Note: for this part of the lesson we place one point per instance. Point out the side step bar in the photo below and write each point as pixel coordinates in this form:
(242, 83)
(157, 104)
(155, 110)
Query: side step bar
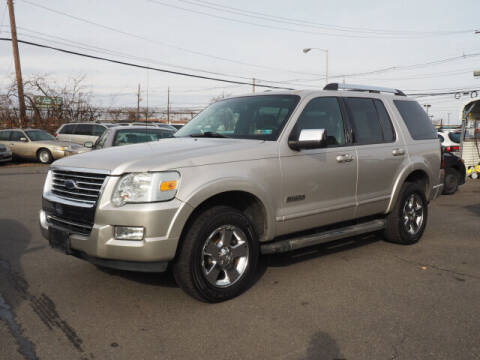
(322, 237)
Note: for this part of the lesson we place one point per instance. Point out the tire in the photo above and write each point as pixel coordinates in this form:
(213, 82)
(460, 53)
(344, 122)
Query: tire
(403, 222)
(218, 256)
(44, 156)
(452, 178)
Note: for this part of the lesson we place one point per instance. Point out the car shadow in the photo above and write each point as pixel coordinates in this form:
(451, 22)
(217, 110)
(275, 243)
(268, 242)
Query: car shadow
(166, 279)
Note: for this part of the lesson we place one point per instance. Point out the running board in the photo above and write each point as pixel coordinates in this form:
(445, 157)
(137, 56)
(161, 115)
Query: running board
(322, 237)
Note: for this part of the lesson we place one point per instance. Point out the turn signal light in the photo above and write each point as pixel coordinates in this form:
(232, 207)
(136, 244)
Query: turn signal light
(168, 185)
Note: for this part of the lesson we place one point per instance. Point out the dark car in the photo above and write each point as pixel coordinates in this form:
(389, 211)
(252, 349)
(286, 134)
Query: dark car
(455, 173)
(120, 135)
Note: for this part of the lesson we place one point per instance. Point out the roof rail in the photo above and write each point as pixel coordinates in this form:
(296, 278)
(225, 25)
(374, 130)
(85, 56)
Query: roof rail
(372, 89)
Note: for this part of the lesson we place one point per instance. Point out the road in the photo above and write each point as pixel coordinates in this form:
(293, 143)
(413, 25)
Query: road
(360, 298)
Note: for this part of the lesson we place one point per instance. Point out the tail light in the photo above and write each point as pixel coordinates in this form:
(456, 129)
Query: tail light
(55, 134)
(452, 148)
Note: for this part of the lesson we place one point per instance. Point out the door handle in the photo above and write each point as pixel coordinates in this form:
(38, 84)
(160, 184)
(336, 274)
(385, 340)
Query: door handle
(344, 158)
(398, 152)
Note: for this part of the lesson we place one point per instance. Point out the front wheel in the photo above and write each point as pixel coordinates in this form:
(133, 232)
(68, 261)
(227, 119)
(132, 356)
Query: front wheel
(44, 156)
(218, 256)
(407, 220)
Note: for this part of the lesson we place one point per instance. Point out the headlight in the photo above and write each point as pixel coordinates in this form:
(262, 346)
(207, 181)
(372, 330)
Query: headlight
(47, 187)
(145, 187)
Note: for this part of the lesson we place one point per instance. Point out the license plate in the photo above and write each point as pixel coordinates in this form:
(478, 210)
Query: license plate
(59, 240)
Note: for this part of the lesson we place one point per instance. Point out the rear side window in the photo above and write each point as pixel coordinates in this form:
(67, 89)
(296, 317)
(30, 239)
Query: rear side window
(366, 125)
(454, 136)
(440, 137)
(419, 125)
(67, 129)
(4, 135)
(388, 132)
(84, 129)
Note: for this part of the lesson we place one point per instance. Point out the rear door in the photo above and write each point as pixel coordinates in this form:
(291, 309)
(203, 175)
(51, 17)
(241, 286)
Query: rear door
(380, 153)
(66, 131)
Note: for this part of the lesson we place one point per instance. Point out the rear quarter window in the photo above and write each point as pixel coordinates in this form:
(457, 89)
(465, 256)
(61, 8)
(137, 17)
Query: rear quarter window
(67, 129)
(419, 125)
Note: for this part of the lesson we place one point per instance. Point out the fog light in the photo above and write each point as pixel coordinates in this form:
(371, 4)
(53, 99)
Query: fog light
(129, 233)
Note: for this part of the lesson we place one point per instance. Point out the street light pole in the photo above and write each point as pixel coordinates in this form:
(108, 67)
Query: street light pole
(306, 50)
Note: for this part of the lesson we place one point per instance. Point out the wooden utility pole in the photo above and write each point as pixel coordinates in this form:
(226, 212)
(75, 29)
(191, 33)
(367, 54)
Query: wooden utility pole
(138, 103)
(18, 69)
(168, 106)
(253, 86)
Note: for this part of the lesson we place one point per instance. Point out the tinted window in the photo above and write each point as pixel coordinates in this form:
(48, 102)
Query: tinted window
(419, 125)
(251, 117)
(440, 137)
(39, 135)
(4, 135)
(365, 122)
(135, 136)
(67, 129)
(84, 129)
(98, 130)
(322, 113)
(16, 136)
(388, 132)
(454, 136)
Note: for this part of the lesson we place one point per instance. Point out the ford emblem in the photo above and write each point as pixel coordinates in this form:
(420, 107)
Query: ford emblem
(70, 185)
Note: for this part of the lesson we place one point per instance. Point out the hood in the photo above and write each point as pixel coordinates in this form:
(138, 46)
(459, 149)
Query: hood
(173, 153)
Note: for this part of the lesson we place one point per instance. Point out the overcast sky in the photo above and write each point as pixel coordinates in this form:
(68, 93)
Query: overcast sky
(191, 36)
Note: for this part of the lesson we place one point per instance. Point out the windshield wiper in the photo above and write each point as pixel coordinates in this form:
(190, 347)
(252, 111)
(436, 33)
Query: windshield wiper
(209, 134)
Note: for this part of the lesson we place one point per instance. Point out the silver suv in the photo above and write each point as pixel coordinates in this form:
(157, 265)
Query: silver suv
(249, 175)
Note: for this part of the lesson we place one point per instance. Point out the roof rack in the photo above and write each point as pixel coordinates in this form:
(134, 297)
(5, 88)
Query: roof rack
(372, 89)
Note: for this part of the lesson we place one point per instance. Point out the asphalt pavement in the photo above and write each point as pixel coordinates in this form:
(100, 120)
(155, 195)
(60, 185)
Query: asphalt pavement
(359, 298)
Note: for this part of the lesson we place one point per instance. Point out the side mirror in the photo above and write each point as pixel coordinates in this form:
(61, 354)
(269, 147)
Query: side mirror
(23, 139)
(309, 139)
(88, 144)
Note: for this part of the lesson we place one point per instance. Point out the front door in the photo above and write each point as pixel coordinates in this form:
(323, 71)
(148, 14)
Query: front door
(19, 148)
(318, 184)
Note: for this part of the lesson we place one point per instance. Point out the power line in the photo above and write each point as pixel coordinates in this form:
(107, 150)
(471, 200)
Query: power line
(271, 26)
(144, 66)
(139, 37)
(306, 23)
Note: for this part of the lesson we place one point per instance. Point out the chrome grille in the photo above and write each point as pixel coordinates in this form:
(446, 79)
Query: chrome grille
(76, 186)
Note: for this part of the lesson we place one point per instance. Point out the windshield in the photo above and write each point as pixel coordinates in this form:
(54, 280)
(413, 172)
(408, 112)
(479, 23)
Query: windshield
(135, 136)
(252, 117)
(39, 135)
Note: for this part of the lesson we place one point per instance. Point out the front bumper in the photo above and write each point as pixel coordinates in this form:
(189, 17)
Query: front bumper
(5, 157)
(162, 222)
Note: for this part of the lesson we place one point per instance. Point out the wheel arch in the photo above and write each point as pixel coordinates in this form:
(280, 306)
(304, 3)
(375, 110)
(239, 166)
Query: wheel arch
(417, 174)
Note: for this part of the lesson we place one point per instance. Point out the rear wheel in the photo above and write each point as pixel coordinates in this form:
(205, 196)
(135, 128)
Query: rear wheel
(44, 156)
(451, 181)
(218, 256)
(407, 220)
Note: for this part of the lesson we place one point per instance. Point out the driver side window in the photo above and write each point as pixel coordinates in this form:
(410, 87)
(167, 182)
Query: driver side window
(322, 113)
(16, 136)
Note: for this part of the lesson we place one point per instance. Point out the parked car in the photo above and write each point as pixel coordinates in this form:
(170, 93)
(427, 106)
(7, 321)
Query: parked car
(160, 125)
(34, 144)
(120, 135)
(264, 173)
(455, 173)
(81, 133)
(5, 154)
(450, 140)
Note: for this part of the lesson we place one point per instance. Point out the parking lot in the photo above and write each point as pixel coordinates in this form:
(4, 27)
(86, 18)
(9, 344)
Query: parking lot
(358, 298)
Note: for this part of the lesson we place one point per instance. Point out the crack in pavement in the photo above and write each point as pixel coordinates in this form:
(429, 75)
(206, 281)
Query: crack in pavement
(44, 308)
(25, 346)
(438, 268)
